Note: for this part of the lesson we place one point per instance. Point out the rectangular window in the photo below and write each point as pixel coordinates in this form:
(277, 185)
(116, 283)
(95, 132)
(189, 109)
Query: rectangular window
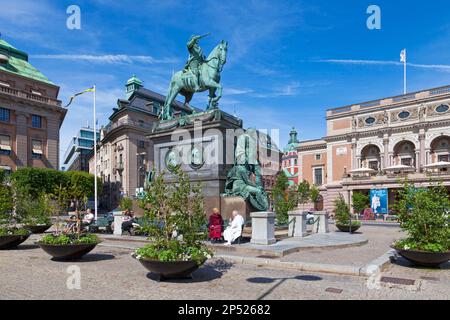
(373, 165)
(141, 144)
(406, 161)
(156, 107)
(318, 176)
(318, 156)
(87, 134)
(4, 115)
(5, 144)
(443, 158)
(36, 121)
(36, 149)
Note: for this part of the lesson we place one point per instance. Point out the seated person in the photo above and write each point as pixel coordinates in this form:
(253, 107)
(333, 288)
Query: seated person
(215, 226)
(127, 223)
(88, 218)
(234, 230)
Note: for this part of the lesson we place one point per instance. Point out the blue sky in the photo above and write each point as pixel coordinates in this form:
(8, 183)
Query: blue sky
(288, 61)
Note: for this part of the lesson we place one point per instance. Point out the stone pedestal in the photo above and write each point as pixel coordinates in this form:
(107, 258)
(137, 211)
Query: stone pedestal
(263, 227)
(297, 223)
(228, 204)
(118, 219)
(321, 225)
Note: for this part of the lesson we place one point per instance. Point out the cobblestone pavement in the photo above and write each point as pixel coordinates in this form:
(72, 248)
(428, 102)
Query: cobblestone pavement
(109, 272)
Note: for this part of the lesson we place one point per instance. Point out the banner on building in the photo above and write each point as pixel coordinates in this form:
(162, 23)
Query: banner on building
(379, 201)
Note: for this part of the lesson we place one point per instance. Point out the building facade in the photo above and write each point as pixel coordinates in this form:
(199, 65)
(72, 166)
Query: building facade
(79, 150)
(376, 144)
(290, 160)
(30, 113)
(124, 154)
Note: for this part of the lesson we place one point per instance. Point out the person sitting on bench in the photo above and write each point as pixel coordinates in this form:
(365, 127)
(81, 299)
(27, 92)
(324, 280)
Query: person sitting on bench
(127, 223)
(234, 230)
(215, 226)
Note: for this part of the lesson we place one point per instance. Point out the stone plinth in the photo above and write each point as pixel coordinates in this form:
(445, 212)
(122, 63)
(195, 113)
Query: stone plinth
(321, 225)
(118, 219)
(263, 228)
(297, 223)
(228, 204)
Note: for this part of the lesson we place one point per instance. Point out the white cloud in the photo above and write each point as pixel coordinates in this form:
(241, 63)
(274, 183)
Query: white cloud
(107, 58)
(384, 62)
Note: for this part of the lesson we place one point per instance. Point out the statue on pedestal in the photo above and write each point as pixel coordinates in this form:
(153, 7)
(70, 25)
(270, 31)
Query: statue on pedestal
(199, 74)
(239, 178)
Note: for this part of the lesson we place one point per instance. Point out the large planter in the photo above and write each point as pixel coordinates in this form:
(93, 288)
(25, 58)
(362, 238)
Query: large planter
(40, 228)
(11, 241)
(169, 269)
(424, 258)
(346, 227)
(67, 251)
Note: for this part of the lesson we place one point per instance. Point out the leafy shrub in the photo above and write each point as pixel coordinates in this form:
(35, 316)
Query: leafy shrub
(341, 211)
(177, 219)
(34, 211)
(283, 198)
(13, 231)
(59, 239)
(424, 215)
(360, 201)
(126, 204)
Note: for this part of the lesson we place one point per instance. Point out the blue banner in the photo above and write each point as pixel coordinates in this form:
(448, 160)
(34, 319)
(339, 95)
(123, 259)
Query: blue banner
(379, 201)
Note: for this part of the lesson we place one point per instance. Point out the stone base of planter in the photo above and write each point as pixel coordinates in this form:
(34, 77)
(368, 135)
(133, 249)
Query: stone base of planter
(423, 258)
(169, 269)
(12, 241)
(67, 251)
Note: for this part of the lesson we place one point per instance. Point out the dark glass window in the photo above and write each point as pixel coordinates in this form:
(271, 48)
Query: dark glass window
(370, 120)
(87, 134)
(4, 114)
(36, 121)
(141, 144)
(318, 176)
(404, 115)
(442, 108)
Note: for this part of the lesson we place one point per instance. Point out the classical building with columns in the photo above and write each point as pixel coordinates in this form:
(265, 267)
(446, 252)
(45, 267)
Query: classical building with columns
(30, 113)
(379, 143)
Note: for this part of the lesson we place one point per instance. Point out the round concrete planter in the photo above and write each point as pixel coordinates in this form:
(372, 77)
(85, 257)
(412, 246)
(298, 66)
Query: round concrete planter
(40, 228)
(169, 269)
(11, 241)
(346, 227)
(424, 258)
(67, 251)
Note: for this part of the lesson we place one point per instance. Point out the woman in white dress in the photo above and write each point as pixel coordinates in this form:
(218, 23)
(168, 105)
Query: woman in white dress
(234, 230)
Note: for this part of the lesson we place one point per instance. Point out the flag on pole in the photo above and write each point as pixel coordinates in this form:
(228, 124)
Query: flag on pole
(78, 94)
(403, 56)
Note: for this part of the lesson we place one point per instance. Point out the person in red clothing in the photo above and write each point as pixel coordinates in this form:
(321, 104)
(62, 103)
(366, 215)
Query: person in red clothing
(215, 226)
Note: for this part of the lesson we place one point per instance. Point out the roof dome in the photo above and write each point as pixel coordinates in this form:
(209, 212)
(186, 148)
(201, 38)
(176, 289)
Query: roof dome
(293, 141)
(134, 79)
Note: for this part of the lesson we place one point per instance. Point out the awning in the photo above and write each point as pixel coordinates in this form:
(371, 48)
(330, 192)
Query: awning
(400, 167)
(7, 168)
(362, 170)
(437, 165)
(37, 151)
(5, 147)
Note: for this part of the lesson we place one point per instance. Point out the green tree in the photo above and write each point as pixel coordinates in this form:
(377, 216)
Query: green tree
(126, 204)
(304, 193)
(177, 220)
(341, 211)
(424, 215)
(314, 193)
(283, 198)
(360, 201)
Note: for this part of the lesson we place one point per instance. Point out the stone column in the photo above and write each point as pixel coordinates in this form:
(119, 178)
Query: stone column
(417, 161)
(263, 227)
(386, 151)
(354, 158)
(118, 219)
(422, 154)
(22, 145)
(321, 225)
(297, 223)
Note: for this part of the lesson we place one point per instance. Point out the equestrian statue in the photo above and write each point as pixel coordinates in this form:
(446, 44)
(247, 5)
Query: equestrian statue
(199, 74)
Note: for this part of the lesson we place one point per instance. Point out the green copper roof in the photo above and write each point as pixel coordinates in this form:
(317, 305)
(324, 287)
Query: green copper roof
(18, 63)
(134, 79)
(293, 141)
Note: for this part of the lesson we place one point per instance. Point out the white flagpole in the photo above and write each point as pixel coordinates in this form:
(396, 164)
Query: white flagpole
(404, 72)
(95, 157)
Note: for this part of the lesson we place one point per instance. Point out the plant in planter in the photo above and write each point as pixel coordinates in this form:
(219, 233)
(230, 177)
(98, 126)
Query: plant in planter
(424, 215)
(34, 214)
(176, 228)
(360, 201)
(342, 216)
(10, 235)
(283, 198)
(72, 243)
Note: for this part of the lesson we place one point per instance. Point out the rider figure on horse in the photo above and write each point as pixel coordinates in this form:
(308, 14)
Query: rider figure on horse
(196, 58)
